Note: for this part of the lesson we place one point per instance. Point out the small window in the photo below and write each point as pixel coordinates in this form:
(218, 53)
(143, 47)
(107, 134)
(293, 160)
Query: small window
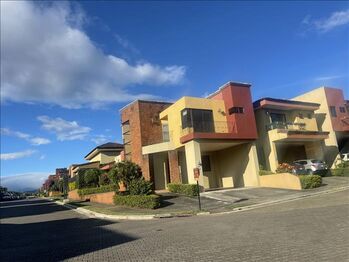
(301, 116)
(342, 109)
(206, 164)
(236, 110)
(309, 115)
(333, 111)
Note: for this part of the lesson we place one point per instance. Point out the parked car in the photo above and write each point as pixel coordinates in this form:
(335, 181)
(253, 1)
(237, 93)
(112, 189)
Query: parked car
(345, 157)
(310, 166)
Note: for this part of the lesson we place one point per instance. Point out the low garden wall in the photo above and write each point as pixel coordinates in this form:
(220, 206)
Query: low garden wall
(54, 194)
(281, 180)
(103, 198)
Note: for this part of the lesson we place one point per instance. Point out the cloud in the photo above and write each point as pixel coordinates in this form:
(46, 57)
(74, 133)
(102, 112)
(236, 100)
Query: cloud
(63, 129)
(16, 155)
(48, 58)
(336, 19)
(326, 78)
(99, 139)
(36, 141)
(24, 182)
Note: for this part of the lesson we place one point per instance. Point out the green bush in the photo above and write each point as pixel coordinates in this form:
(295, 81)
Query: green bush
(97, 190)
(265, 172)
(104, 179)
(140, 187)
(72, 186)
(91, 177)
(141, 201)
(340, 172)
(125, 171)
(80, 181)
(310, 181)
(183, 189)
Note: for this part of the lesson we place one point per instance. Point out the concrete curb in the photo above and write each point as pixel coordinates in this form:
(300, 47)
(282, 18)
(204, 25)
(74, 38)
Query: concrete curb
(93, 214)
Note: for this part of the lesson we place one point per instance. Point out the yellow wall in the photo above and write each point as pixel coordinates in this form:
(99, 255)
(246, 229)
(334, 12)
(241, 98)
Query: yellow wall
(287, 181)
(105, 157)
(172, 115)
(324, 121)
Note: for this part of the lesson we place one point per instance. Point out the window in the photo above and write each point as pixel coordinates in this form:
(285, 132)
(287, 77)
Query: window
(342, 109)
(236, 110)
(309, 115)
(300, 115)
(333, 111)
(201, 120)
(206, 164)
(165, 133)
(277, 118)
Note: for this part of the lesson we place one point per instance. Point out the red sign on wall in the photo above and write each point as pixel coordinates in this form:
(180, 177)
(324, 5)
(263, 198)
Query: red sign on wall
(196, 173)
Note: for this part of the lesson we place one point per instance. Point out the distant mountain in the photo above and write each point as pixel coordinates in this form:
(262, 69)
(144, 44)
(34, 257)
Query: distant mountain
(24, 182)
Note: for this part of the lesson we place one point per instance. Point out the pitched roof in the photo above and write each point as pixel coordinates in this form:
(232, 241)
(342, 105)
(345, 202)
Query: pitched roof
(109, 145)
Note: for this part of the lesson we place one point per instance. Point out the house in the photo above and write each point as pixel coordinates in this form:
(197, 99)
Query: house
(102, 156)
(333, 117)
(215, 134)
(288, 131)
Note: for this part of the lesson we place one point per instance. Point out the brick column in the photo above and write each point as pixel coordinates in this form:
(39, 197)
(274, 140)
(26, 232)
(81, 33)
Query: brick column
(174, 167)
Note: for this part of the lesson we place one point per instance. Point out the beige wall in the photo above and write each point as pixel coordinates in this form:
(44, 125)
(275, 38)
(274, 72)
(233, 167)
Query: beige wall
(105, 157)
(287, 181)
(324, 122)
(193, 160)
(160, 170)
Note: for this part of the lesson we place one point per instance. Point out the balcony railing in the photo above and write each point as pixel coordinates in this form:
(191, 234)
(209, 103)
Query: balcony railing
(286, 125)
(209, 127)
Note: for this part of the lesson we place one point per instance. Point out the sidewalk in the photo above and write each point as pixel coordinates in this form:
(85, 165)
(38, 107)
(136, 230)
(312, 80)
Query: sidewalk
(220, 201)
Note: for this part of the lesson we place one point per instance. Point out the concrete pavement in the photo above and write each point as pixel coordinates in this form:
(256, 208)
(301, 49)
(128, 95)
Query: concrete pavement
(310, 229)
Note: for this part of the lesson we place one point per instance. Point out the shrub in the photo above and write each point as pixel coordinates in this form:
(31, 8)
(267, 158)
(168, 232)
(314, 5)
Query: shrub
(72, 186)
(141, 201)
(310, 181)
(343, 164)
(265, 172)
(125, 171)
(91, 177)
(340, 172)
(183, 189)
(284, 168)
(140, 187)
(80, 181)
(97, 190)
(104, 179)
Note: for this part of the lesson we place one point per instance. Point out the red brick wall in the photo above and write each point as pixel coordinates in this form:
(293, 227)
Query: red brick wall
(103, 198)
(174, 167)
(145, 129)
(335, 98)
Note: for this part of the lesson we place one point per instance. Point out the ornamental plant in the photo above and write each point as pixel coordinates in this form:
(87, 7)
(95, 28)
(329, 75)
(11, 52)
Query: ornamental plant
(284, 168)
(125, 171)
(91, 177)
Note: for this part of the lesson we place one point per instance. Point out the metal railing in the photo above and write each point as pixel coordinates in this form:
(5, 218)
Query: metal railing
(209, 127)
(286, 125)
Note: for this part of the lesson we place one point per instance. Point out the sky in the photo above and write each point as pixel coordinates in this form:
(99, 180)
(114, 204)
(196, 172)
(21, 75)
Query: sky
(68, 67)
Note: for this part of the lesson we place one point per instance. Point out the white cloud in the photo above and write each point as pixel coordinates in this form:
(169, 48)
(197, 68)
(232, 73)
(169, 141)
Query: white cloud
(16, 155)
(326, 78)
(63, 129)
(99, 139)
(36, 141)
(24, 182)
(47, 58)
(335, 20)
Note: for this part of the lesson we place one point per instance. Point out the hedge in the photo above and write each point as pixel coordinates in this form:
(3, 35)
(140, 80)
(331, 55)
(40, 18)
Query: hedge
(340, 172)
(96, 190)
(183, 189)
(310, 181)
(141, 201)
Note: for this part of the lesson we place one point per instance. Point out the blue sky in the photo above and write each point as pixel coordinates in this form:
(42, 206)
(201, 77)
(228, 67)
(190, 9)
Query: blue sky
(67, 68)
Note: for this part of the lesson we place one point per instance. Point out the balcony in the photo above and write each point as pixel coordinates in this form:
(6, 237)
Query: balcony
(286, 126)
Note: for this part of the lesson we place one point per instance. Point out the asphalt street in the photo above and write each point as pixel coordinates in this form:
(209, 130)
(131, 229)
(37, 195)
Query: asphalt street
(310, 229)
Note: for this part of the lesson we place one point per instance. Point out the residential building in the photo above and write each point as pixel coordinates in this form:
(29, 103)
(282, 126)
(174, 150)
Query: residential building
(61, 172)
(287, 131)
(106, 153)
(215, 134)
(75, 168)
(333, 117)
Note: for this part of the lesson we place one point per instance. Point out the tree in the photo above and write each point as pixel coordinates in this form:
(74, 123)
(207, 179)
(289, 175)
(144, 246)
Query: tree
(125, 171)
(91, 177)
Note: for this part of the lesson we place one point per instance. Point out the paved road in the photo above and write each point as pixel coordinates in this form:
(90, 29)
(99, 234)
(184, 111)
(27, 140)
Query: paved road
(311, 229)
